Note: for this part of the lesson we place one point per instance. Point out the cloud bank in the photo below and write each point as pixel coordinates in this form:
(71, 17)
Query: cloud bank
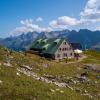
(63, 22)
(89, 15)
(28, 26)
(91, 11)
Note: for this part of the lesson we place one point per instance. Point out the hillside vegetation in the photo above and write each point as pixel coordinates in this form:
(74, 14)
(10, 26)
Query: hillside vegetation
(17, 83)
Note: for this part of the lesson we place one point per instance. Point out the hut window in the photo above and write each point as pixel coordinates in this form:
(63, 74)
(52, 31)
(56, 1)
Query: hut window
(63, 49)
(58, 55)
(65, 54)
(64, 43)
(71, 54)
(59, 49)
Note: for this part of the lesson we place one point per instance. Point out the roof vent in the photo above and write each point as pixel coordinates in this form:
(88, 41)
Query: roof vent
(39, 40)
(57, 41)
(46, 46)
(45, 40)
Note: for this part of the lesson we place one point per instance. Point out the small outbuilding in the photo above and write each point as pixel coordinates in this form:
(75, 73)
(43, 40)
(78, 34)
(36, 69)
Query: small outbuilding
(78, 53)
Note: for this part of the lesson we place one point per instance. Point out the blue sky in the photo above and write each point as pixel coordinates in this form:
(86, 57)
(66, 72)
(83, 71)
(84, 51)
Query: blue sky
(15, 14)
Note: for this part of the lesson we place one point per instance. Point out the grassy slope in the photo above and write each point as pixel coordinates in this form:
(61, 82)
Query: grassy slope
(22, 87)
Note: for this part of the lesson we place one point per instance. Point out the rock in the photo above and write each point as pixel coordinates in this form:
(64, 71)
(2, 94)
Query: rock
(78, 90)
(74, 82)
(71, 80)
(57, 89)
(84, 74)
(69, 87)
(38, 78)
(25, 66)
(48, 81)
(1, 82)
(11, 57)
(18, 74)
(52, 90)
(45, 78)
(83, 78)
(85, 94)
(7, 64)
(50, 77)
(98, 77)
(61, 91)
(86, 67)
(60, 84)
(96, 82)
(85, 91)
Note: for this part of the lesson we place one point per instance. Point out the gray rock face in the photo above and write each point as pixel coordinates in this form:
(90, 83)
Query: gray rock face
(94, 67)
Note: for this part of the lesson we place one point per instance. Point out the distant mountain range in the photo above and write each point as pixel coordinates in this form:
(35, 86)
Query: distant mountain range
(88, 39)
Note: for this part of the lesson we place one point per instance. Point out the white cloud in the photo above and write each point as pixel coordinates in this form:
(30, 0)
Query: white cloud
(91, 12)
(27, 22)
(63, 22)
(48, 29)
(98, 28)
(53, 24)
(39, 19)
(28, 26)
(89, 16)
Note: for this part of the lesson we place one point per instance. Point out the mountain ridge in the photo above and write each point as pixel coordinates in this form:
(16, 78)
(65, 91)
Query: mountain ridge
(85, 37)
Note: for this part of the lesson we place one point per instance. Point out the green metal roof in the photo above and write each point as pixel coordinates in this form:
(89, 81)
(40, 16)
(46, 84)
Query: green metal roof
(49, 46)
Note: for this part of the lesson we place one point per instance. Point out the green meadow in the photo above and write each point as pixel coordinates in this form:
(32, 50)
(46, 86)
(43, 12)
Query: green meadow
(18, 86)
